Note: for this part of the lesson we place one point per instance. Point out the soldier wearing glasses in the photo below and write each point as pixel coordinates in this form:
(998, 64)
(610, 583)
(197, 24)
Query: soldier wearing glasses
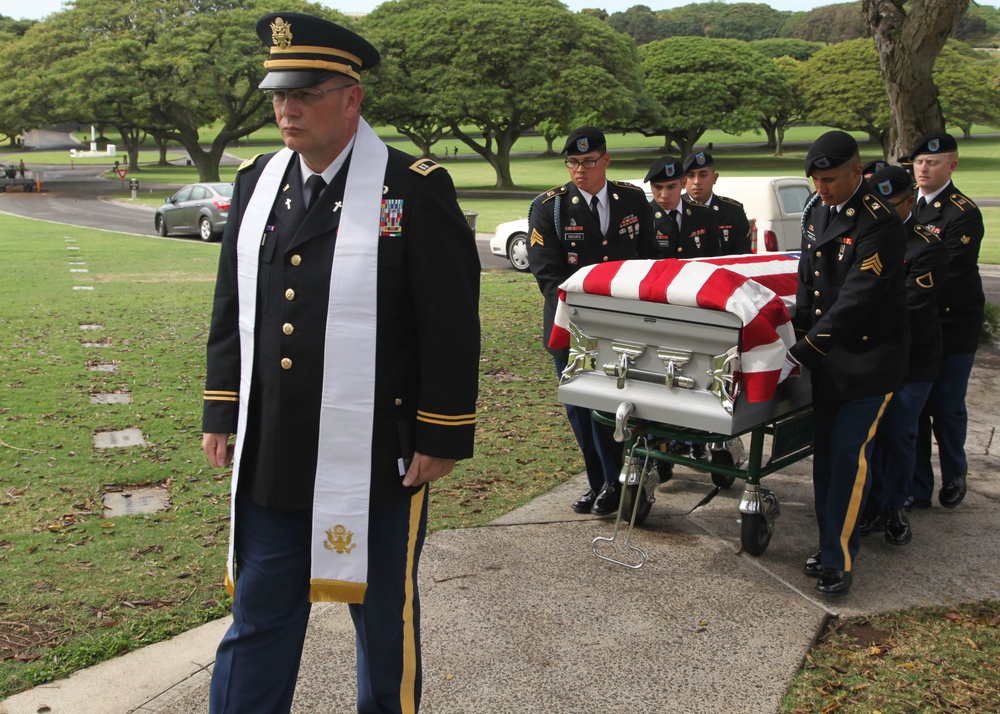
(586, 221)
(344, 354)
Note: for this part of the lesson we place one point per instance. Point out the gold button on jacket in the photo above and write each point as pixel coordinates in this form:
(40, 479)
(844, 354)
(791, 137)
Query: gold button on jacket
(286, 363)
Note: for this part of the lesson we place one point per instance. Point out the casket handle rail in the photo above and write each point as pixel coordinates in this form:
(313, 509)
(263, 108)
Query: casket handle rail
(725, 377)
(673, 359)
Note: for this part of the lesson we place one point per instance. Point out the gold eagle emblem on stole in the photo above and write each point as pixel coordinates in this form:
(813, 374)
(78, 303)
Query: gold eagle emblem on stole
(338, 539)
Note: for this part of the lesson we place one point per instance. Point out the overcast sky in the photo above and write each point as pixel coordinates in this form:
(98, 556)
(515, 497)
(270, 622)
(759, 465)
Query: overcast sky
(37, 9)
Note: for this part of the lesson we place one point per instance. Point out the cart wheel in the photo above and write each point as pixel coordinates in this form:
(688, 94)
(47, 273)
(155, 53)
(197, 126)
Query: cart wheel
(724, 458)
(628, 502)
(755, 536)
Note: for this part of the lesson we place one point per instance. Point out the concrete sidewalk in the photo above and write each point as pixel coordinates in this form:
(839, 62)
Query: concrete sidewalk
(520, 617)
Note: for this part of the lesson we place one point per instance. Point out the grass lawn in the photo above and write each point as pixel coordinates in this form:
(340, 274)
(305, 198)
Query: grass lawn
(78, 587)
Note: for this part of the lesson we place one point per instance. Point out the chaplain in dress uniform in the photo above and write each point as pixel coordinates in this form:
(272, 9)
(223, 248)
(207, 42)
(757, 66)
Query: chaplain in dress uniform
(683, 229)
(343, 354)
(895, 454)
(955, 218)
(699, 182)
(586, 221)
(851, 329)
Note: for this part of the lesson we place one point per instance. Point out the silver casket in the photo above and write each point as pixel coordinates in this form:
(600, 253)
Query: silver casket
(676, 365)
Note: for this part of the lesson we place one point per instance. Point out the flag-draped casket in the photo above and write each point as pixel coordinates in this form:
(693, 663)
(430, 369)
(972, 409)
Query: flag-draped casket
(692, 343)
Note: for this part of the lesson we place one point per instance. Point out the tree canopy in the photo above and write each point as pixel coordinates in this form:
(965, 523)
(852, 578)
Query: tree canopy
(843, 88)
(702, 84)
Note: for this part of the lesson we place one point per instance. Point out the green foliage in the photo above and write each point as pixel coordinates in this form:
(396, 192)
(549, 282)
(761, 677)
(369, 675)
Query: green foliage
(966, 80)
(501, 67)
(991, 324)
(828, 24)
(786, 47)
(707, 83)
(843, 88)
(748, 21)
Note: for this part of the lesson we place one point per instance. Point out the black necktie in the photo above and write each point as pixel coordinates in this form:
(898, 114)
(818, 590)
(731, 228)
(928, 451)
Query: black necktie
(594, 203)
(921, 205)
(314, 187)
(675, 230)
(833, 213)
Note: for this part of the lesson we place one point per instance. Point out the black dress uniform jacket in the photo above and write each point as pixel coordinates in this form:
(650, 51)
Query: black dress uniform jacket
(958, 222)
(698, 236)
(926, 273)
(734, 228)
(850, 307)
(427, 332)
(564, 236)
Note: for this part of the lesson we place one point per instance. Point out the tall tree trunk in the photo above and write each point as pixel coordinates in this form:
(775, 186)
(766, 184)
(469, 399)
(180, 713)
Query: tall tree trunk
(779, 140)
(908, 44)
(770, 129)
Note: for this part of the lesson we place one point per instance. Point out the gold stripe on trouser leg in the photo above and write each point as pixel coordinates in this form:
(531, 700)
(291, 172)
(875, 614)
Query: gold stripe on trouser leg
(408, 682)
(860, 476)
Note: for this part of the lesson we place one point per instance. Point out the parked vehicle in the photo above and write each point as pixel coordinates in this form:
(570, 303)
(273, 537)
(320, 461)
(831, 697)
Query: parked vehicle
(199, 208)
(773, 203)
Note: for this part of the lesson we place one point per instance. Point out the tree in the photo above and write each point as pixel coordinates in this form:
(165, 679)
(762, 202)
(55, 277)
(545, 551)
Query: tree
(467, 65)
(701, 83)
(843, 89)
(639, 23)
(969, 93)
(909, 36)
(747, 21)
(786, 107)
(827, 24)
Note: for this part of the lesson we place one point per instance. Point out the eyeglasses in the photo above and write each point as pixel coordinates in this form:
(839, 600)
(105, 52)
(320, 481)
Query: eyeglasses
(300, 96)
(572, 164)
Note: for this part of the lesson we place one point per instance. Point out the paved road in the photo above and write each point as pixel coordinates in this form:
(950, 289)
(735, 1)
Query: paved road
(75, 196)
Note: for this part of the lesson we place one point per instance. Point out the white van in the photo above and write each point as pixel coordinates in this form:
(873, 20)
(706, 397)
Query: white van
(773, 205)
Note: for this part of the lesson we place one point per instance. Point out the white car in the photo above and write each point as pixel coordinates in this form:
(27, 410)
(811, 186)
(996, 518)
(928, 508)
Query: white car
(773, 205)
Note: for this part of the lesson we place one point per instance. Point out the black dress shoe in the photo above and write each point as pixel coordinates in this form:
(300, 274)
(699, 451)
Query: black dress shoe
(813, 567)
(871, 523)
(585, 502)
(910, 503)
(897, 527)
(952, 493)
(607, 500)
(834, 582)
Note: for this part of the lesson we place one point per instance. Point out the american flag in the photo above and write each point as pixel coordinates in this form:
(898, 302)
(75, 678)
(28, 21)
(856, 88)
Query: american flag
(758, 289)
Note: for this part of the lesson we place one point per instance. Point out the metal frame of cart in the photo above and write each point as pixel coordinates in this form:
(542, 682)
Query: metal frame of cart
(791, 440)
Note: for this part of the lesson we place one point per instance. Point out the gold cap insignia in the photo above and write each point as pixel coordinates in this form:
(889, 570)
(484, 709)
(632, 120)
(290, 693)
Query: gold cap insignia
(338, 539)
(281, 33)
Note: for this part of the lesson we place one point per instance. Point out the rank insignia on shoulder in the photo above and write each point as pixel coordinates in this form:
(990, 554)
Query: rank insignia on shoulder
(248, 163)
(424, 166)
(923, 232)
(536, 238)
(553, 192)
(966, 240)
(960, 201)
(626, 184)
(874, 206)
(873, 264)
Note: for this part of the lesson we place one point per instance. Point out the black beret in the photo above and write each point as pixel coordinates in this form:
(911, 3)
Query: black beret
(832, 149)
(891, 181)
(665, 168)
(698, 161)
(307, 50)
(937, 142)
(584, 140)
(873, 166)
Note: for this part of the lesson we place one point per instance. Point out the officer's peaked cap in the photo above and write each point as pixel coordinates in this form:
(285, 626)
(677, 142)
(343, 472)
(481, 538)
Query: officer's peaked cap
(936, 142)
(665, 168)
(584, 140)
(892, 181)
(698, 161)
(307, 50)
(832, 149)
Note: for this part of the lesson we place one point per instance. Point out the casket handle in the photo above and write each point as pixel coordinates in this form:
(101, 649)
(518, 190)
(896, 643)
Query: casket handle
(627, 353)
